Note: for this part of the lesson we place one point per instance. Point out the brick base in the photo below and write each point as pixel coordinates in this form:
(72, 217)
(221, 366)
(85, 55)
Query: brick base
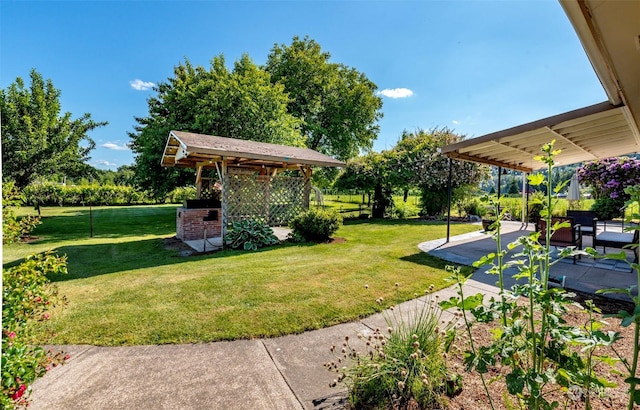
(190, 223)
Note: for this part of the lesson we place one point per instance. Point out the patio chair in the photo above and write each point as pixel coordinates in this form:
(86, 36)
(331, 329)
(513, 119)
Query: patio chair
(616, 239)
(563, 237)
(586, 219)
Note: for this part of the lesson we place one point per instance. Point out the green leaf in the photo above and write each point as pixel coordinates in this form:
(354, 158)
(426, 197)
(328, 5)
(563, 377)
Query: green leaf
(536, 179)
(515, 381)
(613, 290)
(484, 260)
(628, 320)
(472, 302)
(451, 303)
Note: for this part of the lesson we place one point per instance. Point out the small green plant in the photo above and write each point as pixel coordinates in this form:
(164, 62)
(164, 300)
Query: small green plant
(315, 225)
(403, 365)
(533, 341)
(630, 318)
(27, 297)
(473, 206)
(249, 235)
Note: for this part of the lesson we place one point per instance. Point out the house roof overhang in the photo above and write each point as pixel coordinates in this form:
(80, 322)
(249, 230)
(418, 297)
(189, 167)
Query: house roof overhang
(598, 131)
(190, 150)
(610, 35)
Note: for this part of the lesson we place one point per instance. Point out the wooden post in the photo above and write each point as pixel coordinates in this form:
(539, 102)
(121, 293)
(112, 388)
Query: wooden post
(306, 172)
(222, 172)
(199, 181)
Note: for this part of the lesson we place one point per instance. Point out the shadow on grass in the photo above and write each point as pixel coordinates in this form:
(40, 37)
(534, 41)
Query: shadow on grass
(395, 222)
(86, 261)
(106, 222)
(423, 258)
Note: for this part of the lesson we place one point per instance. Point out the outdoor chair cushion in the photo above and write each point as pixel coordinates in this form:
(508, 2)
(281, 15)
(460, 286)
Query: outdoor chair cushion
(614, 239)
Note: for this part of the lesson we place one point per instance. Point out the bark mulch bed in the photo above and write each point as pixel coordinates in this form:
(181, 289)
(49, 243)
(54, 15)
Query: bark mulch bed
(473, 395)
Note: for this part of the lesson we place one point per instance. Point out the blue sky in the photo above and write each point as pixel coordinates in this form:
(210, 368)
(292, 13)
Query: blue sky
(473, 66)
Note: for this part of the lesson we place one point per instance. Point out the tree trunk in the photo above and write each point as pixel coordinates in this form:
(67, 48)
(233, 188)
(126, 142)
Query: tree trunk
(378, 202)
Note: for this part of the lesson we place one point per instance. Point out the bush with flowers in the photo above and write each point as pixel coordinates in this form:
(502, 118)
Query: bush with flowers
(27, 297)
(607, 179)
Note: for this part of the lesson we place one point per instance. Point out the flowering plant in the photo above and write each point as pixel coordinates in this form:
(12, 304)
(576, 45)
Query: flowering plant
(27, 296)
(608, 177)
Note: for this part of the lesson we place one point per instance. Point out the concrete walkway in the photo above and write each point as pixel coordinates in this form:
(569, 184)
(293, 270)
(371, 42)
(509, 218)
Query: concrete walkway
(279, 373)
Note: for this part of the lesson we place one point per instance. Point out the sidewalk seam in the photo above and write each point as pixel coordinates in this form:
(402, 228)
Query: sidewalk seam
(282, 374)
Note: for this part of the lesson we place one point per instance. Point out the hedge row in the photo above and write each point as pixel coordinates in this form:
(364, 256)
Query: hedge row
(50, 194)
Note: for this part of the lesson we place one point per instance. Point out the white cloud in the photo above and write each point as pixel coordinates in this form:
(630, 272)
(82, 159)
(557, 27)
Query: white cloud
(105, 163)
(140, 85)
(116, 147)
(455, 122)
(396, 92)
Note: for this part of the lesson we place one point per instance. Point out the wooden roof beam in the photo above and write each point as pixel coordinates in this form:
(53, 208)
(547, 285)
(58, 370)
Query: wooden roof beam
(486, 161)
(564, 138)
(513, 147)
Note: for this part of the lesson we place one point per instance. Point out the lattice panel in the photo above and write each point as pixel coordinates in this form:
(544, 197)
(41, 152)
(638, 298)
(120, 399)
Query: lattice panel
(271, 200)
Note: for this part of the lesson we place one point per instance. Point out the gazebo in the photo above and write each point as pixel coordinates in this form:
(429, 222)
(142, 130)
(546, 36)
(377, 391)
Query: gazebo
(255, 181)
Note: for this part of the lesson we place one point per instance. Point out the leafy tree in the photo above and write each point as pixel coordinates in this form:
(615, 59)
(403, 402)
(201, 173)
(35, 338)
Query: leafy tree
(37, 141)
(244, 104)
(370, 173)
(241, 103)
(337, 105)
(419, 164)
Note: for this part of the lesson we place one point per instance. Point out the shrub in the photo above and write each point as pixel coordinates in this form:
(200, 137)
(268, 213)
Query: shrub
(403, 210)
(52, 194)
(27, 296)
(537, 351)
(607, 208)
(315, 224)
(608, 177)
(180, 194)
(13, 228)
(404, 366)
(473, 206)
(433, 203)
(249, 235)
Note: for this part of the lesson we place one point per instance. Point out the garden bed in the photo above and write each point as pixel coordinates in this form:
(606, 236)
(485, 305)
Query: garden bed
(473, 395)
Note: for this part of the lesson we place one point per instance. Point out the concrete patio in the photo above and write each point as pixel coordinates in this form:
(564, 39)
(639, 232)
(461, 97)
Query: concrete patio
(587, 275)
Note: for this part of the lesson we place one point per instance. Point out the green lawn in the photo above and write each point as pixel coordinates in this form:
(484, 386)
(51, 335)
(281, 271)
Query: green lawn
(125, 288)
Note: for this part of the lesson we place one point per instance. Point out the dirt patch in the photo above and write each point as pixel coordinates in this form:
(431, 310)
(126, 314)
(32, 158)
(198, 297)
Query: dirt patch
(335, 240)
(175, 244)
(28, 239)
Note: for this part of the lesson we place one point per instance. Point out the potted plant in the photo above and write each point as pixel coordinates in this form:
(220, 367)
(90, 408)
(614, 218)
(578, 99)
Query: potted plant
(488, 219)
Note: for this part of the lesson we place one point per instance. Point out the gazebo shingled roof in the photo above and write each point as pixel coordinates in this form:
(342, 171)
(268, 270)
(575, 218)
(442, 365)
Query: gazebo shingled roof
(189, 150)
